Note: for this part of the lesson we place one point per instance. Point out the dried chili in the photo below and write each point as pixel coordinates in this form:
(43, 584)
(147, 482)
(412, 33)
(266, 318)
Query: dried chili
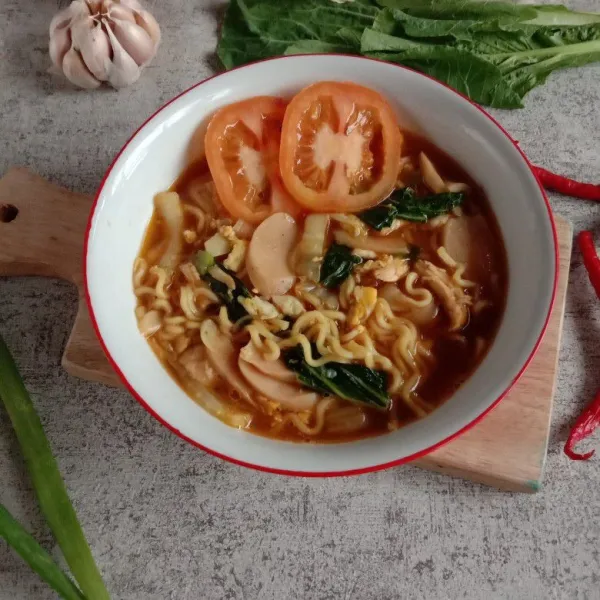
(589, 420)
(567, 186)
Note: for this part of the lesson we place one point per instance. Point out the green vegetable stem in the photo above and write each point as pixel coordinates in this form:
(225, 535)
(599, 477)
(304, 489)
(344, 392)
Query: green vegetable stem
(48, 484)
(36, 557)
(203, 261)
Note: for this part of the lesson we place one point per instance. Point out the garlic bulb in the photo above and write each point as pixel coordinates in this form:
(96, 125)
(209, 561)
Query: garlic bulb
(93, 41)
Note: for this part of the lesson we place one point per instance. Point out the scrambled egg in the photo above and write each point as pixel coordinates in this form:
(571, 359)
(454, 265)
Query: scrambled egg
(386, 268)
(259, 308)
(236, 257)
(365, 299)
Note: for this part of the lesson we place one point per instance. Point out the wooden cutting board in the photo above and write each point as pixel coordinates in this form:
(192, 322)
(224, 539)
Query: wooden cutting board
(41, 233)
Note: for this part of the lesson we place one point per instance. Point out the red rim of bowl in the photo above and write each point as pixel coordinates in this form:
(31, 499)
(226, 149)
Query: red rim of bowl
(387, 465)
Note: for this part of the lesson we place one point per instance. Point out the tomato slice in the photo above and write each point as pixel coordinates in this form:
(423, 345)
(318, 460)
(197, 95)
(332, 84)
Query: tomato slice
(242, 151)
(340, 147)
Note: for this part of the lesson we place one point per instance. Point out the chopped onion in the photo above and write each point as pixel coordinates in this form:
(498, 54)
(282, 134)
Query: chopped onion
(217, 245)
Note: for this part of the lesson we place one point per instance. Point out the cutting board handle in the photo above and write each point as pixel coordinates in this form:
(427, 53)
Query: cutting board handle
(41, 227)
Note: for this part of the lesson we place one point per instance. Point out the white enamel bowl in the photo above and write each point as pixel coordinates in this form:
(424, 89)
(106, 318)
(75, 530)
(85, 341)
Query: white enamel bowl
(155, 155)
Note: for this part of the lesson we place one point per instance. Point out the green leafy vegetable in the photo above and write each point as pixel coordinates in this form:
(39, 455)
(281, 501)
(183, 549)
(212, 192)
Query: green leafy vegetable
(467, 73)
(255, 29)
(404, 204)
(229, 297)
(36, 557)
(203, 261)
(450, 18)
(525, 60)
(351, 382)
(383, 215)
(46, 479)
(494, 52)
(482, 12)
(337, 265)
(315, 47)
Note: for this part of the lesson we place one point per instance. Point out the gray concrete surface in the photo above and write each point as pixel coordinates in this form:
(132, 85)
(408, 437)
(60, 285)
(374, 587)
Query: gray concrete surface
(166, 521)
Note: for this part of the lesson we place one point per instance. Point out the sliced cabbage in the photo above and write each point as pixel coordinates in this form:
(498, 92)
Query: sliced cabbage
(389, 244)
(312, 246)
(431, 177)
(170, 209)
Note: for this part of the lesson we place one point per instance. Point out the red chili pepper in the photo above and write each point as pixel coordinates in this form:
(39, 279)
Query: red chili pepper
(591, 260)
(590, 418)
(583, 428)
(567, 186)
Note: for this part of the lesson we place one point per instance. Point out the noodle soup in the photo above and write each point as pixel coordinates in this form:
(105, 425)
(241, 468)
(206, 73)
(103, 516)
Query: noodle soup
(308, 322)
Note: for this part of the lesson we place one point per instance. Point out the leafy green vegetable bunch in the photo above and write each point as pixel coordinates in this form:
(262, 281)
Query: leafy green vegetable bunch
(493, 52)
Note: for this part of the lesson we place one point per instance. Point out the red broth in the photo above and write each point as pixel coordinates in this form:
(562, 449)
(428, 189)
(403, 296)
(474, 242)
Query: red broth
(455, 354)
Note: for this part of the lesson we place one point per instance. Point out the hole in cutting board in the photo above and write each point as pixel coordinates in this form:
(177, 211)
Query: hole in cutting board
(8, 213)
